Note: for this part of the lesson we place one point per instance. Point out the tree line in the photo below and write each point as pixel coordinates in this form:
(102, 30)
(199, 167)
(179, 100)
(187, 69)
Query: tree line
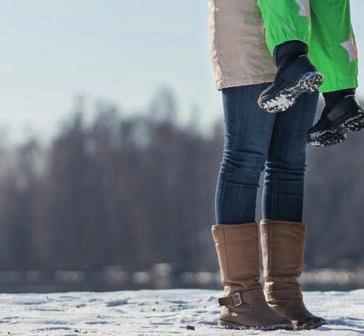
(138, 189)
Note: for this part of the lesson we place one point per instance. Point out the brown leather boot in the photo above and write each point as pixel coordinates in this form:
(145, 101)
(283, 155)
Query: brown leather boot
(244, 305)
(282, 249)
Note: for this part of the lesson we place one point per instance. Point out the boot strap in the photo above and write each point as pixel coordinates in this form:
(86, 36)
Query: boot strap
(233, 300)
(350, 104)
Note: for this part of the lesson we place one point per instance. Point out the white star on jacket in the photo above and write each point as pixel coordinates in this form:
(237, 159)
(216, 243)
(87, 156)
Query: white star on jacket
(305, 9)
(351, 48)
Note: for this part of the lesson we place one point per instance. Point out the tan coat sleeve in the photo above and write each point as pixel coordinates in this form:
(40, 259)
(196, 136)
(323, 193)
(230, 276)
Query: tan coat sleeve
(238, 51)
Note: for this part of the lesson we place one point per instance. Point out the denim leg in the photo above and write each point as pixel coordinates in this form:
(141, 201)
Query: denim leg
(285, 167)
(248, 131)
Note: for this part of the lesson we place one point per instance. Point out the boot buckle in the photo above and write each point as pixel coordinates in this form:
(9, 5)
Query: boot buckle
(234, 300)
(237, 299)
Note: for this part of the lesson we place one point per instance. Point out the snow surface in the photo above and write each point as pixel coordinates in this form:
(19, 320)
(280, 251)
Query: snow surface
(166, 312)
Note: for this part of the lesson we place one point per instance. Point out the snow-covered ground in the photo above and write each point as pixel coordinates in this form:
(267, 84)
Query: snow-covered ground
(167, 312)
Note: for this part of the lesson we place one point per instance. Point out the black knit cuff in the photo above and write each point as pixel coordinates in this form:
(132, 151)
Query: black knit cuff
(286, 49)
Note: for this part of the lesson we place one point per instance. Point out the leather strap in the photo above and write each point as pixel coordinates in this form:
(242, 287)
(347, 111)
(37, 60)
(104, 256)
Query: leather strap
(348, 103)
(233, 300)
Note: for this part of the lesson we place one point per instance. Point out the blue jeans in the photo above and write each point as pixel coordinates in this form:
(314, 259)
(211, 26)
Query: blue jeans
(256, 140)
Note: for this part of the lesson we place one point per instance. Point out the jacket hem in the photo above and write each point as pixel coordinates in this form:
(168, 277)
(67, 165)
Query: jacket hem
(243, 81)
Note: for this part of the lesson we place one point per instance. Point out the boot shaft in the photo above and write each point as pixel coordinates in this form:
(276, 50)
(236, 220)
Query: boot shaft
(283, 244)
(238, 255)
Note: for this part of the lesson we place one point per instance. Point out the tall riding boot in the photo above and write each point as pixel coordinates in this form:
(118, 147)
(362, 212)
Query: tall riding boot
(282, 249)
(244, 305)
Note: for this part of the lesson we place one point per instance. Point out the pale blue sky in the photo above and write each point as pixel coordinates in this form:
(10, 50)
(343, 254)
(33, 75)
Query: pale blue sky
(120, 50)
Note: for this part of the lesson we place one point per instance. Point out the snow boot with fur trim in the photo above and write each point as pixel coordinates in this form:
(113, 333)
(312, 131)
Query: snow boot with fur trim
(244, 305)
(282, 251)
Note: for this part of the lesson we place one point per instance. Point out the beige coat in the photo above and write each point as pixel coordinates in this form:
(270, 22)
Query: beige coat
(238, 50)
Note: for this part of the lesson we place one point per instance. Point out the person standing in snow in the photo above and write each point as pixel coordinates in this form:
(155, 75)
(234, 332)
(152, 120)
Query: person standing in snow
(313, 45)
(255, 141)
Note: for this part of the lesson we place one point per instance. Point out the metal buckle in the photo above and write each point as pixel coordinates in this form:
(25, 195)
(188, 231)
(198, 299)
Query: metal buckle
(237, 296)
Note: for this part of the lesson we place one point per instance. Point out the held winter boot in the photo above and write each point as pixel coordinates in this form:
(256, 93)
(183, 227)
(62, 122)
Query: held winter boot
(243, 304)
(293, 78)
(336, 120)
(282, 251)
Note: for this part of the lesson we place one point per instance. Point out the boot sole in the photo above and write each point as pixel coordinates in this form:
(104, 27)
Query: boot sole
(326, 138)
(236, 326)
(308, 325)
(284, 99)
(337, 135)
(356, 125)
